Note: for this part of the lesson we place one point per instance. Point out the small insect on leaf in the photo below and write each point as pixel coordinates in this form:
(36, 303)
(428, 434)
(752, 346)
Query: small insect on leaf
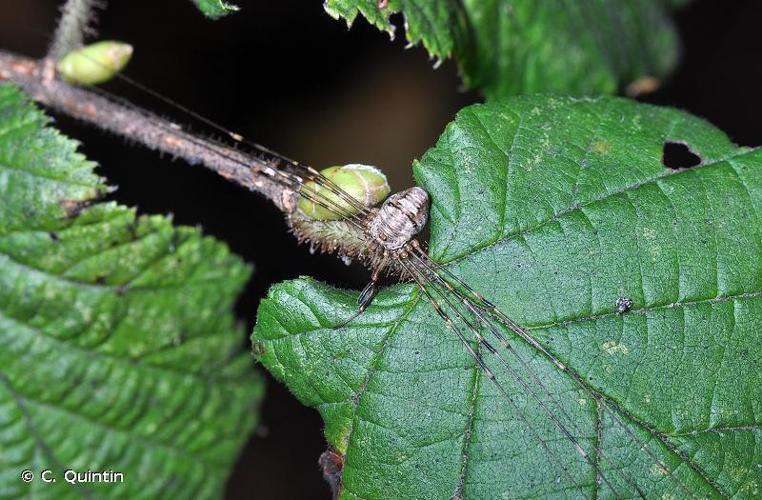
(95, 63)
(366, 184)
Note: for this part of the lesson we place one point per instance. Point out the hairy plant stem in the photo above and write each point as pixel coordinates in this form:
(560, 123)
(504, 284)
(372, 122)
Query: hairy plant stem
(37, 79)
(77, 20)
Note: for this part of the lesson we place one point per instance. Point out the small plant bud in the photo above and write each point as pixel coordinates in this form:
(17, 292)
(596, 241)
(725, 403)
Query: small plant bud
(366, 184)
(95, 63)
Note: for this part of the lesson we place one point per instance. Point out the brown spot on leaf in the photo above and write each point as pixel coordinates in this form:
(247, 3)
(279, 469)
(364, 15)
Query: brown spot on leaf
(73, 207)
(601, 147)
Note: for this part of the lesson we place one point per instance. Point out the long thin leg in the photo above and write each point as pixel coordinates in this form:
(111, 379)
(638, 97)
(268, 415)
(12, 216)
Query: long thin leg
(517, 377)
(366, 295)
(431, 270)
(477, 357)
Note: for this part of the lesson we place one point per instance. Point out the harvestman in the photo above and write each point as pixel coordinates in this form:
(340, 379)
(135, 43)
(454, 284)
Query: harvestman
(390, 247)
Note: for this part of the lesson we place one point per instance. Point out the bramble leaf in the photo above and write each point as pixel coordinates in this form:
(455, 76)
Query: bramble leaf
(516, 47)
(118, 349)
(556, 209)
(215, 9)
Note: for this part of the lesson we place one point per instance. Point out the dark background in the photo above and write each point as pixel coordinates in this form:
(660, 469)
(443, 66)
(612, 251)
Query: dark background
(287, 75)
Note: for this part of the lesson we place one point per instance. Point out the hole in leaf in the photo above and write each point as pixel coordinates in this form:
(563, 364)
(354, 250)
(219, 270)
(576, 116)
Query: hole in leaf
(676, 155)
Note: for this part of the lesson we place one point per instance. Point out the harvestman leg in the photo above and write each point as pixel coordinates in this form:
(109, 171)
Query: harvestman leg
(475, 309)
(477, 357)
(366, 295)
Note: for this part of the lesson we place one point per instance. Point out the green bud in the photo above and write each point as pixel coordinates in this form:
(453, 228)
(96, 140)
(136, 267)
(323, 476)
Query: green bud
(95, 63)
(364, 183)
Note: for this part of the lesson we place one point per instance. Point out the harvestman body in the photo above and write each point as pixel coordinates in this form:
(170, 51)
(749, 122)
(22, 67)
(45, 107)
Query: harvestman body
(400, 218)
(392, 231)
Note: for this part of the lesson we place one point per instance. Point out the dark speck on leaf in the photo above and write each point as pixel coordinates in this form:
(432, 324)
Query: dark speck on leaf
(623, 304)
(100, 279)
(53, 236)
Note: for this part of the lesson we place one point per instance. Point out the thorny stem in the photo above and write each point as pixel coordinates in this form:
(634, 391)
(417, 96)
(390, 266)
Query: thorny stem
(37, 79)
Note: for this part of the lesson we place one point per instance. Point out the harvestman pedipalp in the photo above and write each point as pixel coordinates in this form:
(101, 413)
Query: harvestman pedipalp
(391, 247)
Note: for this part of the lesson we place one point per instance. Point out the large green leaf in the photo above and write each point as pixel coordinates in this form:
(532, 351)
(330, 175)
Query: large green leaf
(554, 208)
(118, 348)
(506, 47)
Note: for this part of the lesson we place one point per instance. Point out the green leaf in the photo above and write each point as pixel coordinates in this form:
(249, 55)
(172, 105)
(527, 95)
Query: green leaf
(522, 46)
(118, 349)
(554, 208)
(215, 9)
(428, 21)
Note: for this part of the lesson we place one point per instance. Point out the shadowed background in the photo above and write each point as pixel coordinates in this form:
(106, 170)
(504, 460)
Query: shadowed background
(287, 75)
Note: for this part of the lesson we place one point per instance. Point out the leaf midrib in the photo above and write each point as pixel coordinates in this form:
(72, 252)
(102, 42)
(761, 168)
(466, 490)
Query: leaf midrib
(643, 310)
(577, 207)
(487, 244)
